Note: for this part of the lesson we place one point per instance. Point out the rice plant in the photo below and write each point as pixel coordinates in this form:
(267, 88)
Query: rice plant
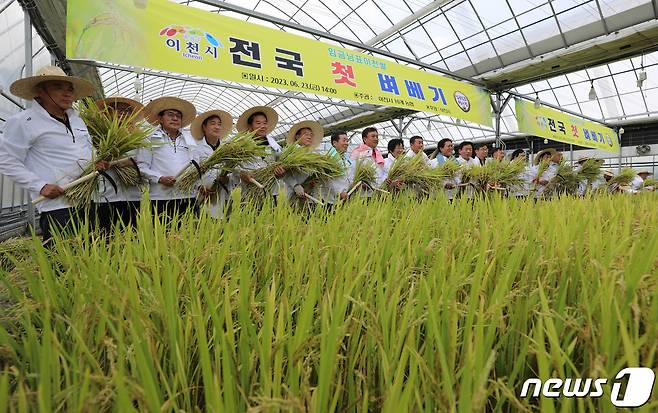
(377, 306)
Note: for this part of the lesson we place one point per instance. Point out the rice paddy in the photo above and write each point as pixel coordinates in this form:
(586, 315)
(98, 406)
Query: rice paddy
(393, 305)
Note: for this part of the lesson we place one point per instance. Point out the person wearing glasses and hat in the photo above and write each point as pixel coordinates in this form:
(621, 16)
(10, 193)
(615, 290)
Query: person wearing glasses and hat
(261, 120)
(308, 134)
(171, 151)
(120, 204)
(209, 128)
(48, 145)
(638, 181)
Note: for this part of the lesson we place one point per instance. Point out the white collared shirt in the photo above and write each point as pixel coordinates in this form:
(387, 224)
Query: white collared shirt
(273, 151)
(36, 150)
(411, 153)
(166, 157)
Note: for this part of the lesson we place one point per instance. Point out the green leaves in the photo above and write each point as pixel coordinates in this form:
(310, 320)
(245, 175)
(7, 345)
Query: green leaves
(379, 306)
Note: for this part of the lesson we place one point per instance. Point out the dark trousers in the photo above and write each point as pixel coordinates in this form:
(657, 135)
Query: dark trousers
(167, 209)
(65, 219)
(108, 214)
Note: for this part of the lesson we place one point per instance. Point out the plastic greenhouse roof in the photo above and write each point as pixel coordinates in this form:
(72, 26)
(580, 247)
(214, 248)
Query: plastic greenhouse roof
(471, 38)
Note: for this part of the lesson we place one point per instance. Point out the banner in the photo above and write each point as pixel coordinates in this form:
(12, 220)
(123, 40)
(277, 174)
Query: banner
(562, 127)
(163, 35)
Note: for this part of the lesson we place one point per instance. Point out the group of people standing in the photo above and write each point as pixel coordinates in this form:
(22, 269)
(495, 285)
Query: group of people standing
(48, 145)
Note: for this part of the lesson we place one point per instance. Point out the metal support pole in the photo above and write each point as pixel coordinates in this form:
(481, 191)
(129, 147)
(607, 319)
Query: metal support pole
(620, 132)
(571, 153)
(401, 126)
(27, 24)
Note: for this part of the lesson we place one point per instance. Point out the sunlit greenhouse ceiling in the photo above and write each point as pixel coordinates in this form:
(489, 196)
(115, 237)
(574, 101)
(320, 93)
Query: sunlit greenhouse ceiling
(552, 50)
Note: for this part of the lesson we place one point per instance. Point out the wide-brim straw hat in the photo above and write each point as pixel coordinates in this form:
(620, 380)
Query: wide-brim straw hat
(26, 88)
(644, 171)
(197, 124)
(542, 153)
(160, 104)
(112, 101)
(272, 118)
(608, 174)
(318, 132)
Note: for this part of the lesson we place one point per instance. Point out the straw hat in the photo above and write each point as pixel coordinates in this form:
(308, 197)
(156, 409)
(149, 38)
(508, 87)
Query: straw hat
(272, 118)
(227, 123)
(114, 100)
(169, 102)
(542, 153)
(644, 171)
(318, 132)
(26, 88)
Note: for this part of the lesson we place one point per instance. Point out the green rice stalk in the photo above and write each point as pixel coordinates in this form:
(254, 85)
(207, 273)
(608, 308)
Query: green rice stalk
(113, 138)
(589, 171)
(624, 178)
(565, 182)
(365, 172)
(238, 149)
(414, 172)
(649, 182)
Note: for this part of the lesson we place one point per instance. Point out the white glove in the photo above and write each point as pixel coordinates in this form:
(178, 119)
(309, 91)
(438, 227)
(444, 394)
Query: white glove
(299, 190)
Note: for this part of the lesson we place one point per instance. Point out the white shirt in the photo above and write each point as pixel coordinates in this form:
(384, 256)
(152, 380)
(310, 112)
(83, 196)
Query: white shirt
(332, 189)
(527, 176)
(106, 192)
(36, 150)
(472, 161)
(468, 190)
(411, 153)
(216, 205)
(273, 151)
(166, 157)
(636, 183)
(548, 174)
(381, 172)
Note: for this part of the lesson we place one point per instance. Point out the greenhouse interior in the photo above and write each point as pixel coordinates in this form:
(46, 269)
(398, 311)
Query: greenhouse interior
(424, 292)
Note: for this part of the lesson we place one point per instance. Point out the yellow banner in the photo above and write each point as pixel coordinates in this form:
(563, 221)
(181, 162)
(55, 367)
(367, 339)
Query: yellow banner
(562, 127)
(163, 35)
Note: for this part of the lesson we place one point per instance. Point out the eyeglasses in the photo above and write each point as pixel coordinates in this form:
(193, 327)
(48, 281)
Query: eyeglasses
(172, 114)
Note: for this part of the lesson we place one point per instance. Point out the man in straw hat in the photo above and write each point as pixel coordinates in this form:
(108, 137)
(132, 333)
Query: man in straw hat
(48, 145)
(261, 120)
(308, 134)
(171, 152)
(119, 202)
(639, 179)
(209, 128)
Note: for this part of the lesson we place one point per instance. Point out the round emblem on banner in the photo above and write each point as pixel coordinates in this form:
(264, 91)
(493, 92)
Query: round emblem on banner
(462, 101)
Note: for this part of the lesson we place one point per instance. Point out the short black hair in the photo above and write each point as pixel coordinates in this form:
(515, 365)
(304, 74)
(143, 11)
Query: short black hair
(336, 135)
(516, 154)
(479, 145)
(443, 142)
(393, 143)
(251, 117)
(366, 131)
(414, 139)
(463, 144)
(497, 149)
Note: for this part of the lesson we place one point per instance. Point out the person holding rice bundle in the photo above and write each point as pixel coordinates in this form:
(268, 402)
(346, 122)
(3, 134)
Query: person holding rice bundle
(171, 152)
(308, 134)
(47, 146)
(336, 189)
(115, 201)
(261, 120)
(209, 128)
(367, 151)
(545, 168)
(587, 185)
(523, 189)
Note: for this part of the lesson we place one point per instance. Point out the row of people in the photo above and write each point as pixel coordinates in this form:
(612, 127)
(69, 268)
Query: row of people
(49, 145)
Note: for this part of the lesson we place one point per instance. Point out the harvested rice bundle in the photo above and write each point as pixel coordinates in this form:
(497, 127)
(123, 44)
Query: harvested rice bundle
(589, 171)
(649, 184)
(414, 172)
(113, 138)
(238, 149)
(565, 181)
(497, 175)
(294, 160)
(624, 178)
